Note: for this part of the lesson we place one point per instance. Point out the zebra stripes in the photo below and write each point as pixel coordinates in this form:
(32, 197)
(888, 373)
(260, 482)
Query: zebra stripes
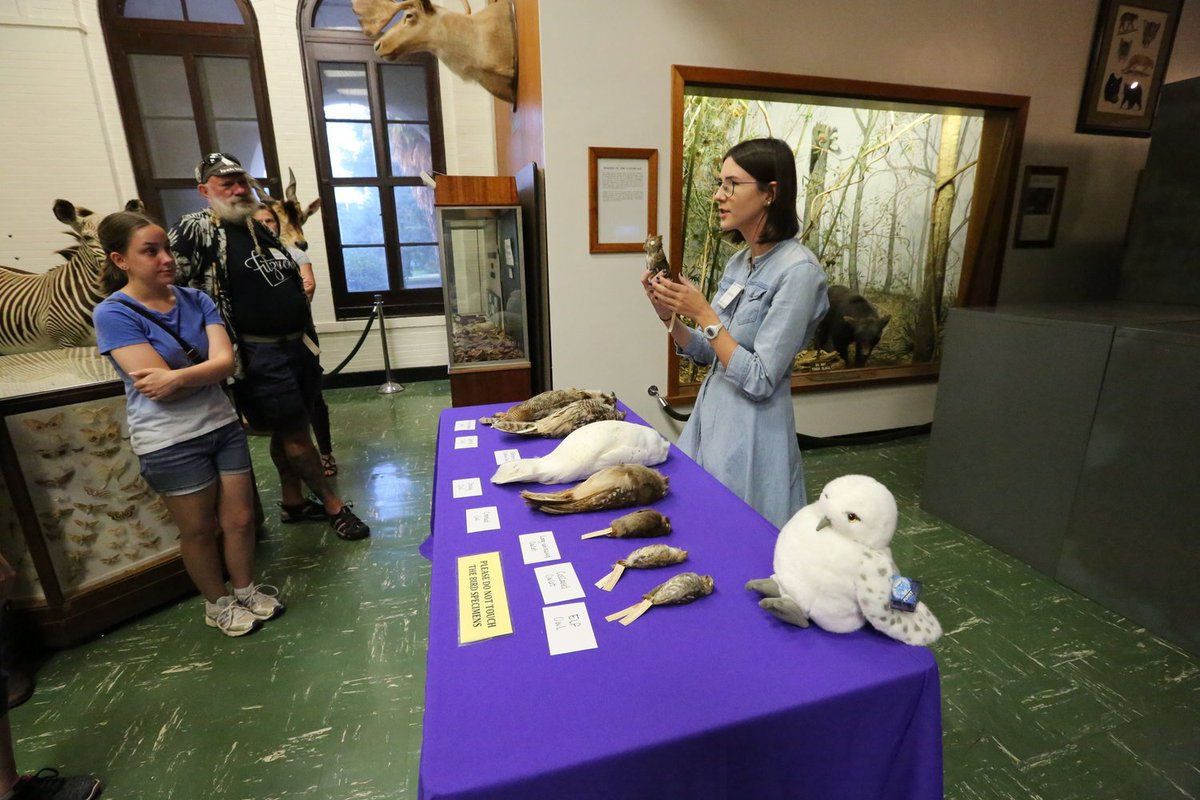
(54, 309)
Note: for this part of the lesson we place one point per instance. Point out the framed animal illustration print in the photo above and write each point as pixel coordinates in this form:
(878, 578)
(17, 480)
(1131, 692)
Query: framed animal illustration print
(1130, 50)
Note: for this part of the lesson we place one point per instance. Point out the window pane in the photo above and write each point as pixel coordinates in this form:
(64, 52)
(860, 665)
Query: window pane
(351, 151)
(177, 202)
(336, 14)
(366, 269)
(160, 83)
(214, 11)
(174, 147)
(410, 149)
(414, 214)
(419, 266)
(344, 91)
(226, 87)
(241, 139)
(404, 93)
(154, 9)
(359, 218)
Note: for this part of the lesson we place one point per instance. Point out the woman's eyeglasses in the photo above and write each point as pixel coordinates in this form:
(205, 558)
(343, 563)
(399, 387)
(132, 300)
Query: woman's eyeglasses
(728, 186)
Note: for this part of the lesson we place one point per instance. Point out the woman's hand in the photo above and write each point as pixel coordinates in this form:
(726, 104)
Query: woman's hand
(156, 383)
(682, 297)
(662, 311)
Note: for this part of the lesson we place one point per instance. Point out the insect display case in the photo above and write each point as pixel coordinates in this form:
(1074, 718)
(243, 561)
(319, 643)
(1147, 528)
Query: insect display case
(90, 542)
(483, 278)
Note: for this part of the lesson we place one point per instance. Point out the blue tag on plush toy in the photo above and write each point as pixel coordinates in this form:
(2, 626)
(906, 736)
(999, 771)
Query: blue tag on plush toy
(904, 593)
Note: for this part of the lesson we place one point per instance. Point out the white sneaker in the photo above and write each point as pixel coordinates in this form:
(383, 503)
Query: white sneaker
(263, 601)
(230, 617)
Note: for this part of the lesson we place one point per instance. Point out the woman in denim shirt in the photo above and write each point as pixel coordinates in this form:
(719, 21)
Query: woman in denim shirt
(766, 308)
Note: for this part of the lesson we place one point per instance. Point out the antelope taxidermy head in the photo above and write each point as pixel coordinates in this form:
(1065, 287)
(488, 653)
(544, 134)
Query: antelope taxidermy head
(476, 47)
(291, 214)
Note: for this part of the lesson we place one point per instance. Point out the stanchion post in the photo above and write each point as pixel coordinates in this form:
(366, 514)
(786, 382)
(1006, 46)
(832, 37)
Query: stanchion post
(389, 386)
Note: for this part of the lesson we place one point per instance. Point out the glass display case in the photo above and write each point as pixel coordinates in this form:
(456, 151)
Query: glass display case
(483, 278)
(90, 543)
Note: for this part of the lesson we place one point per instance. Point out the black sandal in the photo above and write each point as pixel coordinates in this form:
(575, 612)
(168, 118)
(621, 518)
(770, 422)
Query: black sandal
(308, 511)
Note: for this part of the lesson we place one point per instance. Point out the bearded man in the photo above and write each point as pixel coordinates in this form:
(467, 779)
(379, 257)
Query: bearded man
(256, 285)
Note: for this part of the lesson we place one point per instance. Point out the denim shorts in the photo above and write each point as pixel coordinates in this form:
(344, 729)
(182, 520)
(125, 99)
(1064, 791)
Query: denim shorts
(188, 467)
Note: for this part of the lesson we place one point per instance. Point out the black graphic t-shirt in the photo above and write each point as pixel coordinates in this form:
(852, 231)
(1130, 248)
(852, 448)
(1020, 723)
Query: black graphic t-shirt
(267, 297)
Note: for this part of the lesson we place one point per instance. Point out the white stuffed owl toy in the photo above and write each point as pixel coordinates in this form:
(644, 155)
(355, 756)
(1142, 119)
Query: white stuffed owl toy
(833, 565)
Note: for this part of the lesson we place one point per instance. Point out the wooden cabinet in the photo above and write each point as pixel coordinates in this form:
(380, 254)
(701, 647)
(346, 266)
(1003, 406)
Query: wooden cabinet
(91, 544)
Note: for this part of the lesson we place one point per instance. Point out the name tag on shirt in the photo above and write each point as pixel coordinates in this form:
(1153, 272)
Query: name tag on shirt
(727, 297)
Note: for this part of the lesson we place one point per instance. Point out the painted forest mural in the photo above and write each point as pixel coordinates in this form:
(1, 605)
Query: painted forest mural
(884, 199)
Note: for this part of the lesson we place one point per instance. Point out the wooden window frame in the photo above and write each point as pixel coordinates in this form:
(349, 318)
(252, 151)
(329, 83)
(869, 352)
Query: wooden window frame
(125, 36)
(325, 45)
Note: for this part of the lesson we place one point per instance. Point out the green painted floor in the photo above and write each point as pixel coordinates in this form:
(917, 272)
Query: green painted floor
(1045, 694)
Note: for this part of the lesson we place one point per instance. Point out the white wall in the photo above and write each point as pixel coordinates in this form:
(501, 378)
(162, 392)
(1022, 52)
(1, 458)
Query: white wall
(63, 137)
(606, 82)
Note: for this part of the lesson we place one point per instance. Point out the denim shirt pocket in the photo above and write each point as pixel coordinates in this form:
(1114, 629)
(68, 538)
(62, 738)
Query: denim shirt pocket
(752, 306)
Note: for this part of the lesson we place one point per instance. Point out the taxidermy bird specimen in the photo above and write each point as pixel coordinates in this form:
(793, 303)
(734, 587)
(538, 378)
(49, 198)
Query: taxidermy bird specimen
(546, 403)
(641, 524)
(591, 448)
(563, 421)
(683, 588)
(833, 565)
(613, 487)
(656, 259)
(648, 557)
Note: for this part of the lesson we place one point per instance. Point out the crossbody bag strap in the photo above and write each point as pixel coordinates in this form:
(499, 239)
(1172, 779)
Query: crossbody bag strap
(192, 354)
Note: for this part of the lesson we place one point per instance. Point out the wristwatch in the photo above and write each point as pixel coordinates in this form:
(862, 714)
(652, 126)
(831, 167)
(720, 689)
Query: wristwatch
(711, 331)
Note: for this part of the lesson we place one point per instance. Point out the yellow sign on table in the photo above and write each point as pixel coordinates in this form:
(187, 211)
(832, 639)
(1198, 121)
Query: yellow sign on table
(482, 600)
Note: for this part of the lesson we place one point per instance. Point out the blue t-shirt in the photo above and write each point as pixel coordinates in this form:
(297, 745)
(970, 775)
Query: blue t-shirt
(154, 424)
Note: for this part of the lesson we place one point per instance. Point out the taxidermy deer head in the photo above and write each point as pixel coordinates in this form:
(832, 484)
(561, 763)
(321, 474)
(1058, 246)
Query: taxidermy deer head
(476, 47)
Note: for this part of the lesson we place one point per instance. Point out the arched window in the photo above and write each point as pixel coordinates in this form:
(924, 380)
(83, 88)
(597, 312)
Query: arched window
(377, 125)
(190, 81)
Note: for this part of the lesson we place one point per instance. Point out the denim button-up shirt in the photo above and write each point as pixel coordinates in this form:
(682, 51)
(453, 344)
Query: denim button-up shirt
(743, 428)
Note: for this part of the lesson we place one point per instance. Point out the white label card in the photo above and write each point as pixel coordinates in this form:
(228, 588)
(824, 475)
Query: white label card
(465, 442)
(568, 628)
(483, 519)
(464, 425)
(505, 456)
(467, 487)
(539, 547)
(727, 297)
(558, 582)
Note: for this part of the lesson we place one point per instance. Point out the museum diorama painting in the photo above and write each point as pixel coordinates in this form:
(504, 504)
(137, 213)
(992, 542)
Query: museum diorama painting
(884, 198)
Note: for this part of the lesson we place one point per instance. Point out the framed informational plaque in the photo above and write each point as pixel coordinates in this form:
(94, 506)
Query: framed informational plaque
(623, 198)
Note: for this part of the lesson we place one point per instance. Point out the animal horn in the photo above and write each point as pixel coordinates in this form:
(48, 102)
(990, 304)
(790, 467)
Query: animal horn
(260, 191)
(290, 192)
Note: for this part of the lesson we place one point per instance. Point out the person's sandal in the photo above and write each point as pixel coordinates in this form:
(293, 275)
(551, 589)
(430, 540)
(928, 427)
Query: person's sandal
(308, 511)
(347, 525)
(329, 465)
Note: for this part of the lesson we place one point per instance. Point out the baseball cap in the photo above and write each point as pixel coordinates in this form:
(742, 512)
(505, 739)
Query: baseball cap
(215, 164)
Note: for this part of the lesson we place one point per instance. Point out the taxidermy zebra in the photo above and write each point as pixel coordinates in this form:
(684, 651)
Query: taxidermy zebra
(54, 309)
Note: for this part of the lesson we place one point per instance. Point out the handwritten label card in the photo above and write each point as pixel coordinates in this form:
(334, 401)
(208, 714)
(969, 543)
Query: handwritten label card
(505, 456)
(482, 599)
(568, 628)
(465, 442)
(558, 582)
(539, 547)
(464, 425)
(483, 519)
(467, 487)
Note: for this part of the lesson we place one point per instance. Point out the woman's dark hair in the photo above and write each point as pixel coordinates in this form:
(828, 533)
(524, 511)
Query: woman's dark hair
(115, 232)
(770, 160)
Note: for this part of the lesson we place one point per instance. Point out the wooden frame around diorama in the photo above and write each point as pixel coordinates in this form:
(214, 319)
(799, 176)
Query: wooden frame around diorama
(987, 233)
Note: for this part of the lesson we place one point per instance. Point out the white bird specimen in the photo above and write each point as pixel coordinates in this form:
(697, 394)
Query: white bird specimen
(588, 450)
(833, 565)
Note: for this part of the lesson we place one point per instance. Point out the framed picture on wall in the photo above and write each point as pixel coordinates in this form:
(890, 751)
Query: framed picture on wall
(1130, 49)
(622, 198)
(1039, 205)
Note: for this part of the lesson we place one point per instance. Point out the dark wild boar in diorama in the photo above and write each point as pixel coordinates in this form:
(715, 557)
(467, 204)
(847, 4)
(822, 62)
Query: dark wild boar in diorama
(851, 319)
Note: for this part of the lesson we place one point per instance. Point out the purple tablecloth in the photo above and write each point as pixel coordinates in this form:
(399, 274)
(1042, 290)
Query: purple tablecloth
(715, 699)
